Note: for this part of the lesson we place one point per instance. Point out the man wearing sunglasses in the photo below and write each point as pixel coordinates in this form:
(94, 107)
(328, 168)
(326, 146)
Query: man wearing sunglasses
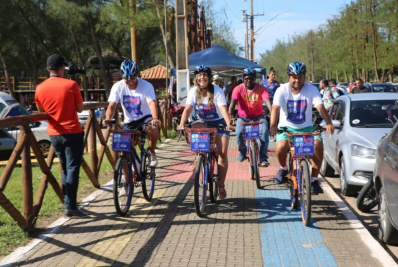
(250, 97)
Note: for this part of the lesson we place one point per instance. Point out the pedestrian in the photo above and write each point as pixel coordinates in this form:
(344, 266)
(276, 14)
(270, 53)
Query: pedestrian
(359, 87)
(61, 99)
(216, 79)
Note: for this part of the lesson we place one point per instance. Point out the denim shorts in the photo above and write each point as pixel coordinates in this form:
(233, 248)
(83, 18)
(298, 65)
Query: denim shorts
(283, 136)
(215, 124)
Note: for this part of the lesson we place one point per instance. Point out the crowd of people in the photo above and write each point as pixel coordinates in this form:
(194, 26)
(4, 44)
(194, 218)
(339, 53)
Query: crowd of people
(213, 103)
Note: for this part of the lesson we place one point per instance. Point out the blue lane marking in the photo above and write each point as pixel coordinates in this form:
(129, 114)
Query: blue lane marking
(284, 238)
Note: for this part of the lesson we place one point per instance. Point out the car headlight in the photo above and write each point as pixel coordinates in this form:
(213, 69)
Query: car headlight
(363, 152)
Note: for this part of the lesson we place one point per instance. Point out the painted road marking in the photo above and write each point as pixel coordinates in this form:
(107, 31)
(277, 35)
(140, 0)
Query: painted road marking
(284, 238)
(109, 249)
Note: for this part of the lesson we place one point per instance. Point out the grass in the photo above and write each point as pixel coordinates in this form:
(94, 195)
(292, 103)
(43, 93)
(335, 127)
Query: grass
(11, 235)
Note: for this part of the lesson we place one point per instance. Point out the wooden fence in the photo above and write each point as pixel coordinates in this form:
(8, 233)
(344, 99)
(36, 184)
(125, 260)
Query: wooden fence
(31, 207)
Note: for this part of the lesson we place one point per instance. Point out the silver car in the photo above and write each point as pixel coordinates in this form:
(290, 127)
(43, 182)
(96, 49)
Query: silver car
(360, 121)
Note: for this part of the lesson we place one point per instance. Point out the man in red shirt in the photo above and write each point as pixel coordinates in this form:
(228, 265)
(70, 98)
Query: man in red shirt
(61, 99)
(250, 97)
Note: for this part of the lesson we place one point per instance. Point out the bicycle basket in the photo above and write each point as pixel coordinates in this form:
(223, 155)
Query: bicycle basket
(201, 139)
(304, 145)
(252, 130)
(122, 140)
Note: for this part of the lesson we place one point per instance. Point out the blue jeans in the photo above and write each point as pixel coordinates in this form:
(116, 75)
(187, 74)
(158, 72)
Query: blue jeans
(69, 149)
(262, 142)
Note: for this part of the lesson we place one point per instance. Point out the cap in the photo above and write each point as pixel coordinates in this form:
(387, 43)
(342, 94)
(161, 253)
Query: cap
(216, 78)
(55, 61)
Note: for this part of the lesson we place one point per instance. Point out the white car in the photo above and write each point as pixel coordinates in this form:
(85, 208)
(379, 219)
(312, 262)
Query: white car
(7, 144)
(83, 116)
(10, 107)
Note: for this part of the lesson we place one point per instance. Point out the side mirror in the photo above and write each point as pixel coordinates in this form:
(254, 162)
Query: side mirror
(336, 123)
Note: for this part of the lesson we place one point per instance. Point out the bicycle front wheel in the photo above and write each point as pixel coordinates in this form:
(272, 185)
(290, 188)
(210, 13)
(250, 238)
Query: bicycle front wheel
(200, 187)
(123, 187)
(305, 191)
(148, 178)
(215, 179)
(254, 155)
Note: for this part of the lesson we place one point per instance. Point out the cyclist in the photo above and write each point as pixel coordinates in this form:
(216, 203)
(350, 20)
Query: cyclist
(271, 84)
(138, 102)
(293, 103)
(250, 97)
(210, 108)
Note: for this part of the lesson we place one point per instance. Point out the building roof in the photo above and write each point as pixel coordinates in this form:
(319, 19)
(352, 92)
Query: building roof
(155, 73)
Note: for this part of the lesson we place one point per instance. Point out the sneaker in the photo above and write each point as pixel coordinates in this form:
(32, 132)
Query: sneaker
(241, 157)
(316, 188)
(75, 213)
(153, 160)
(264, 163)
(280, 175)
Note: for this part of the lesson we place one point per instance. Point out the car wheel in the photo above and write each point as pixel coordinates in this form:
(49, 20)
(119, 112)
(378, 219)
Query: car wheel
(387, 232)
(45, 147)
(346, 189)
(326, 169)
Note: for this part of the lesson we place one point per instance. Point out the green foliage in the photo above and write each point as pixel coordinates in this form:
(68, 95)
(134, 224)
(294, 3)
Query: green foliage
(360, 41)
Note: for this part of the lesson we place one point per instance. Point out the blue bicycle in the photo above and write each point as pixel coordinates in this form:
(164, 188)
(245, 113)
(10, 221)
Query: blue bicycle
(131, 170)
(202, 141)
(301, 151)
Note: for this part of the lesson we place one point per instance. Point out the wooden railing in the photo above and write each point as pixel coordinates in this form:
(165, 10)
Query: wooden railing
(31, 208)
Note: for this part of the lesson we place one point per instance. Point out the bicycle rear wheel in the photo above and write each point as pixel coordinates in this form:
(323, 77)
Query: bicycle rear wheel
(200, 187)
(254, 155)
(214, 178)
(251, 166)
(123, 187)
(305, 190)
(148, 179)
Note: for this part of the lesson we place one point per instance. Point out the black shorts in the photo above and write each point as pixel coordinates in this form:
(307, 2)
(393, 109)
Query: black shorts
(133, 125)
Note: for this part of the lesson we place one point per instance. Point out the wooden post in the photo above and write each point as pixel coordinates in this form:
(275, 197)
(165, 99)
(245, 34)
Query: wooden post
(27, 186)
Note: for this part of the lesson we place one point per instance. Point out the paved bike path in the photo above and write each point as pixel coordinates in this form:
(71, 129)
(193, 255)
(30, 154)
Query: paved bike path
(250, 228)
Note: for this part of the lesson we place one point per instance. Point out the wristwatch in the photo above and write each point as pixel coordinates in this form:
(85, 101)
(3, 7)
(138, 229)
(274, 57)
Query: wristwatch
(230, 123)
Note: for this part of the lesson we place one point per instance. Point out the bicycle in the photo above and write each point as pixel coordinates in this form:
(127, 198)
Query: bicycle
(251, 133)
(130, 165)
(301, 151)
(202, 142)
(367, 198)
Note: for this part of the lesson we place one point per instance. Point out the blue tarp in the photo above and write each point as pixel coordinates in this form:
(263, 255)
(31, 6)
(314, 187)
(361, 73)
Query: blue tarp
(221, 61)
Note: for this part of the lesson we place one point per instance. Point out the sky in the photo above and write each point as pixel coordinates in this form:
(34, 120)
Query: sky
(292, 17)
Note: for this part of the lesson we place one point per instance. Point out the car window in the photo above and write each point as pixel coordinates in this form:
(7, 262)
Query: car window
(334, 110)
(373, 113)
(2, 106)
(340, 112)
(394, 138)
(4, 134)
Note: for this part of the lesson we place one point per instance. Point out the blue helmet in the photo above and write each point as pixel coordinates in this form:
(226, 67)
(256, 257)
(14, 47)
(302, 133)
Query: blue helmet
(249, 71)
(203, 68)
(129, 69)
(296, 68)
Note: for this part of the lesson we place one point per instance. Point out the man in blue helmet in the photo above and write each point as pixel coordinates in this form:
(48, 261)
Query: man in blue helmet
(250, 97)
(293, 102)
(138, 100)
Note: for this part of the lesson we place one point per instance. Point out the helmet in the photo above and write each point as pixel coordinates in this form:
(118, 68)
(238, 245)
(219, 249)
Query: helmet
(296, 68)
(128, 69)
(203, 68)
(249, 71)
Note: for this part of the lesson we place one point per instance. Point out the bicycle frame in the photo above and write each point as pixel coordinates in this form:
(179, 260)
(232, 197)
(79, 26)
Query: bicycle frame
(137, 161)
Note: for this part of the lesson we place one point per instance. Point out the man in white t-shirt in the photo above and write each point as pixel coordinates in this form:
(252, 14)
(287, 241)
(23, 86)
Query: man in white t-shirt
(293, 102)
(139, 105)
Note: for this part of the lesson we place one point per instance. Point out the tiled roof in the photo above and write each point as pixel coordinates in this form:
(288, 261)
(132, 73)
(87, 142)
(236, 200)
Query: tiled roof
(155, 73)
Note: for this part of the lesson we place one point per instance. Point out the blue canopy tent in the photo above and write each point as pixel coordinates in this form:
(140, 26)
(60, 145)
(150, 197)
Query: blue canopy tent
(221, 62)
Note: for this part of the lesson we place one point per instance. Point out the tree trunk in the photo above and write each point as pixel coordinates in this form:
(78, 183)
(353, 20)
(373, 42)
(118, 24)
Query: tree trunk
(7, 76)
(166, 39)
(98, 51)
(79, 54)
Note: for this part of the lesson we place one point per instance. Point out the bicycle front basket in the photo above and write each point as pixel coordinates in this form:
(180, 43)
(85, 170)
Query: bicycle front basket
(201, 139)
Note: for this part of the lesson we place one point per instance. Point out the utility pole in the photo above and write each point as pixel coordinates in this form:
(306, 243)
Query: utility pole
(244, 19)
(133, 32)
(251, 32)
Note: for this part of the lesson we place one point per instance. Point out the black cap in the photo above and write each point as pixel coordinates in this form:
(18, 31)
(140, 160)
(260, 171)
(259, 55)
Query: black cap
(55, 61)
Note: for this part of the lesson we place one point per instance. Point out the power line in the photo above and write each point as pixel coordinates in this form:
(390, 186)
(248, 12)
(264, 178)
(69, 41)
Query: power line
(231, 9)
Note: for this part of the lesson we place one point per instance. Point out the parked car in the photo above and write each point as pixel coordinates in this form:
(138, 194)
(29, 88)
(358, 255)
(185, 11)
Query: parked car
(360, 121)
(6, 100)
(386, 186)
(39, 128)
(383, 88)
(7, 144)
(317, 86)
(83, 116)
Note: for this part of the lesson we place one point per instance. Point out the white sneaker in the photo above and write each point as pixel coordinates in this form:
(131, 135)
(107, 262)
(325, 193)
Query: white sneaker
(122, 191)
(153, 160)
